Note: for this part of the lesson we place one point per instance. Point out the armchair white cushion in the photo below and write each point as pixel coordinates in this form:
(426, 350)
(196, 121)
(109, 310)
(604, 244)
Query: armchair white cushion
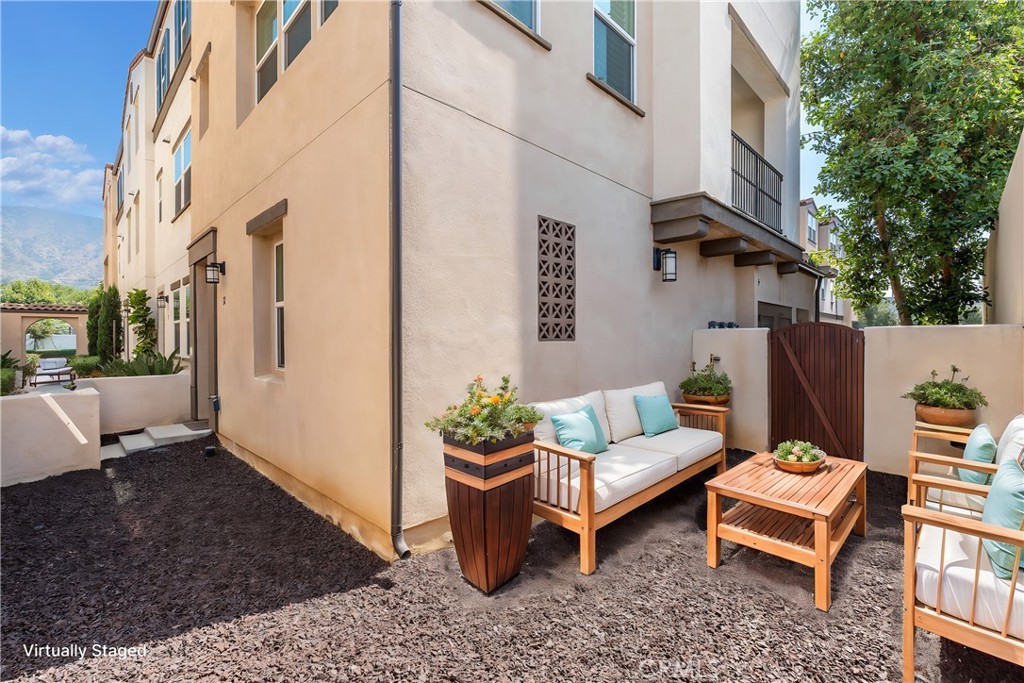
(1012, 440)
(623, 418)
(545, 429)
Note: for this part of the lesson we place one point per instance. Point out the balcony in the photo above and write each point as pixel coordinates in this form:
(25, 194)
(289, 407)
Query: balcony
(756, 185)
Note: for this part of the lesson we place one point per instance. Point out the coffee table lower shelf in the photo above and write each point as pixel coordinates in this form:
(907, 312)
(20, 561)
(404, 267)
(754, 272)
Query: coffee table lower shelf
(785, 535)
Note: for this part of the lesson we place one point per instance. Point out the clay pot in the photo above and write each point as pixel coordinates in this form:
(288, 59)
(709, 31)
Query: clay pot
(948, 417)
(708, 400)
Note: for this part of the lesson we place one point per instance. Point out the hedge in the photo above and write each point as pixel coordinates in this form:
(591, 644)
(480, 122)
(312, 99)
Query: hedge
(6, 381)
(56, 353)
(85, 366)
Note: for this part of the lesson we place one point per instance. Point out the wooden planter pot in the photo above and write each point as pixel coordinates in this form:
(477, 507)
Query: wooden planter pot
(945, 416)
(490, 507)
(707, 400)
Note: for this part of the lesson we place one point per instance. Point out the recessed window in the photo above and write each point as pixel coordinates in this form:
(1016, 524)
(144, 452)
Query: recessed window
(266, 48)
(163, 69)
(556, 280)
(298, 27)
(120, 187)
(279, 304)
(614, 44)
(812, 228)
(327, 8)
(183, 173)
(523, 10)
(185, 307)
(128, 231)
(160, 196)
(182, 25)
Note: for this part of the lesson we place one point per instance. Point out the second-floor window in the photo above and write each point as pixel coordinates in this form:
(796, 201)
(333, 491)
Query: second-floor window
(812, 228)
(159, 195)
(523, 10)
(833, 244)
(120, 187)
(163, 69)
(182, 25)
(614, 44)
(297, 18)
(183, 173)
(266, 48)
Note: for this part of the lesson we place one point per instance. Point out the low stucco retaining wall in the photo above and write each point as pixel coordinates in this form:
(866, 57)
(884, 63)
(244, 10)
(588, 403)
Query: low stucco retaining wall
(34, 443)
(895, 359)
(128, 403)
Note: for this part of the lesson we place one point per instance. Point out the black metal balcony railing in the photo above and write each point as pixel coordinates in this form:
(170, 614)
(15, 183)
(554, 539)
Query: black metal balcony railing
(756, 185)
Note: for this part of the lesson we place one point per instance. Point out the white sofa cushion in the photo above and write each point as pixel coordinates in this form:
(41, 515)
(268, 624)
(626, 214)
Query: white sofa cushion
(53, 364)
(619, 472)
(958, 581)
(686, 444)
(1012, 440)
(623, 418)
(955, 502)
(545, 430)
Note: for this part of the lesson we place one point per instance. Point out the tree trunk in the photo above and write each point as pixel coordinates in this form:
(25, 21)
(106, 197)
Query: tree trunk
(895, 283)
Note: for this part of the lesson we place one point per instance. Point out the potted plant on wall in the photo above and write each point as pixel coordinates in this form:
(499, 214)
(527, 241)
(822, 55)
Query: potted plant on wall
(946, 402)
(488, 458)
(706, 386)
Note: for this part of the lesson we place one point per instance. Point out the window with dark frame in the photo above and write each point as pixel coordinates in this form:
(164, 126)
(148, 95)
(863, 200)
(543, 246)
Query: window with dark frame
(183, 173)
(556, 280)
(279, 304)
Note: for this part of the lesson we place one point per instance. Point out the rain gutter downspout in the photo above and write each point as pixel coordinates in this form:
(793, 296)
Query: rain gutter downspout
(395, 87)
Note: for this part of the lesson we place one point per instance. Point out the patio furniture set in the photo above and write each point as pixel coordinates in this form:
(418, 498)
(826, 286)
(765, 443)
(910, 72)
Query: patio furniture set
(52, 370)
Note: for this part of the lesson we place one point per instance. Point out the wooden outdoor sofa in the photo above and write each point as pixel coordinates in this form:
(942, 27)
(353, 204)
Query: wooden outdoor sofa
(583, 492)
(949, 586)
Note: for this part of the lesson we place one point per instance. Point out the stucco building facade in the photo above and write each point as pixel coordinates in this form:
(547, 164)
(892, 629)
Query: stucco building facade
(1004, 274)
(486, 190)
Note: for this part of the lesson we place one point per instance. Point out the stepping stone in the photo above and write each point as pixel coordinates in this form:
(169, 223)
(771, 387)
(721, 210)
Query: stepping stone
(167, 434)
(132, 443)
(114, 450)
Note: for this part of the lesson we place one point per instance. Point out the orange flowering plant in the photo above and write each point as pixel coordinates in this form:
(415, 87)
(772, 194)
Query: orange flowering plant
(486, 415)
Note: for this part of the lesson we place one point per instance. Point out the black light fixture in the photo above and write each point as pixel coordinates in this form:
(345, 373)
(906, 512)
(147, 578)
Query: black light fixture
(213, 272)
(161, 301)
(665, 261)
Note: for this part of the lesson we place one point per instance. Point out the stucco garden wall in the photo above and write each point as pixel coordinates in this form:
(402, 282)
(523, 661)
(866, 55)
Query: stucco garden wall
(743, 355)
(34, 443)
(128, 403)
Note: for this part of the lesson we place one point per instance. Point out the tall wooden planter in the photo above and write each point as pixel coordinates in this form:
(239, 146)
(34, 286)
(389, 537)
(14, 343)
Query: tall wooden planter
(490, 506)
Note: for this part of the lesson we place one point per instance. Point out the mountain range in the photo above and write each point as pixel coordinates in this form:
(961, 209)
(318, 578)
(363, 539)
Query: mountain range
(51, 245)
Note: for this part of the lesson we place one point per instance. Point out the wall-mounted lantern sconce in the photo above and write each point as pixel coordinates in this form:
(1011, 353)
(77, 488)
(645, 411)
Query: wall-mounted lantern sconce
(665, 261)
(213, 272)
(161, 301)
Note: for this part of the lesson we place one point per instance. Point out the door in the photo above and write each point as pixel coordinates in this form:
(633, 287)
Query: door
(816, 387)
(204, 335)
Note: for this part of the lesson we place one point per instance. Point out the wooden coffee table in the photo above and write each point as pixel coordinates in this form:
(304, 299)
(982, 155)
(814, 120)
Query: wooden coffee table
(805, 518)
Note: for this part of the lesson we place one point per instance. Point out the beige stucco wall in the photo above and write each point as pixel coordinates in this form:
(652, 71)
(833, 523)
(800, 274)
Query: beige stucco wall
(320, 140)
(536, 138)
(897, 358)
(744, 356)
(1004, 263)
(128, 403)
(14, 324)
(35, 443)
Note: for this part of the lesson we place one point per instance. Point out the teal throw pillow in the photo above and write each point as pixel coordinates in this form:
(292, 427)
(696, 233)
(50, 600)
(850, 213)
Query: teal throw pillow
(656, 414)
(580, 430)
(981, 447)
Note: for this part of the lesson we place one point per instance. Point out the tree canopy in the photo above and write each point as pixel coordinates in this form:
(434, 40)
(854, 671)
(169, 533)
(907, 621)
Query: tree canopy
(920, 107)
(36, 291)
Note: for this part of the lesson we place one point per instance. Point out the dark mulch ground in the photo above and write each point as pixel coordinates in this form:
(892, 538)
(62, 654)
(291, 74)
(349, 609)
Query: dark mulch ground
(223, 576)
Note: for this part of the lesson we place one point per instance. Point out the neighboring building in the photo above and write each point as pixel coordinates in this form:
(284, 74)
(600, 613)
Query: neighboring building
(1004, 274)
(110, 254)
(537, 158)
(147, 204)
(817, 234)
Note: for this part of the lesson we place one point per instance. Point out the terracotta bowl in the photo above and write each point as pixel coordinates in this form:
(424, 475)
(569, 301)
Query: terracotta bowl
(945, 416)
(799, 467)
(709, 400)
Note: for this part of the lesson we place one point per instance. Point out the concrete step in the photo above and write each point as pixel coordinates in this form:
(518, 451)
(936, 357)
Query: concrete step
(132, 443)
(167, 434)
(114, 450)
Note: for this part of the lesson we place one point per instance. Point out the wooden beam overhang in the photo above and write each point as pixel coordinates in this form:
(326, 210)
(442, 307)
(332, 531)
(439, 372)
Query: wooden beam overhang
(754, 258)
(723, 247)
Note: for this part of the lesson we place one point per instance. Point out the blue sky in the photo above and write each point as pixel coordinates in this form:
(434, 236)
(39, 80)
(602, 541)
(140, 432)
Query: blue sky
(61, 90)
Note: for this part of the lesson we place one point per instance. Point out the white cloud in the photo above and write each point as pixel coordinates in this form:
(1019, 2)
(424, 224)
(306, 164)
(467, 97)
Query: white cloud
(48, 171)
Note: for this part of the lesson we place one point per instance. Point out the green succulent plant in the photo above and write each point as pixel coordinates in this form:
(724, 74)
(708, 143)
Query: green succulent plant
(707, 382)
(947, 393)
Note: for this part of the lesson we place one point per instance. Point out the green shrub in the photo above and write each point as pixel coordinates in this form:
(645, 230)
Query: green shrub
(948, 393)
(149, 363)
(142, 322)
(707, 382)
(85, 366)
(109, 333)
(7, 362)
(56, 353)
(31, 364)
(6, 381)
(92, 323)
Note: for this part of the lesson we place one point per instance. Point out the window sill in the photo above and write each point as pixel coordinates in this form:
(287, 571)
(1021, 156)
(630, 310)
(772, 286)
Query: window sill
(181, 211)
(616, 95)
(271, 378)
(518, 25)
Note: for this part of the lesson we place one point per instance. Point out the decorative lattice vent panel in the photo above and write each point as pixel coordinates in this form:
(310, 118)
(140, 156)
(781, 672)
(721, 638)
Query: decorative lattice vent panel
(556, 280)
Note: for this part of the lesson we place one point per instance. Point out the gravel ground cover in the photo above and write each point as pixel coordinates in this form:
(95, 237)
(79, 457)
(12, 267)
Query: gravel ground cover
(212, 573)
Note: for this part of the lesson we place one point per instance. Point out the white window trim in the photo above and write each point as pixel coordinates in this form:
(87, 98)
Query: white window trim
(285, 25)
(277, 305)
(274, 45)
(630, 39)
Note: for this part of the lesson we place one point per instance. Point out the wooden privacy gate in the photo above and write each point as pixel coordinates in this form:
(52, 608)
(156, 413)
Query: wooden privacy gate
(816, 387)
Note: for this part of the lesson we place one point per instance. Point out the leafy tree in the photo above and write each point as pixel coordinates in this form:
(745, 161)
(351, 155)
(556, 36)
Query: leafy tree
(143, 324)
(882, 314)
(920, 106)
(92, 322)
(109, 332)
(36, 291)
(42, 330)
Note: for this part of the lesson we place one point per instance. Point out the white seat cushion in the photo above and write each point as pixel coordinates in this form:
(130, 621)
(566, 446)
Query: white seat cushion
(1012, 440)
(686, 444)
(623, 418)
(955, 502)
(962, 552)
(545, 430)
(619, 473)
(52, 363)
